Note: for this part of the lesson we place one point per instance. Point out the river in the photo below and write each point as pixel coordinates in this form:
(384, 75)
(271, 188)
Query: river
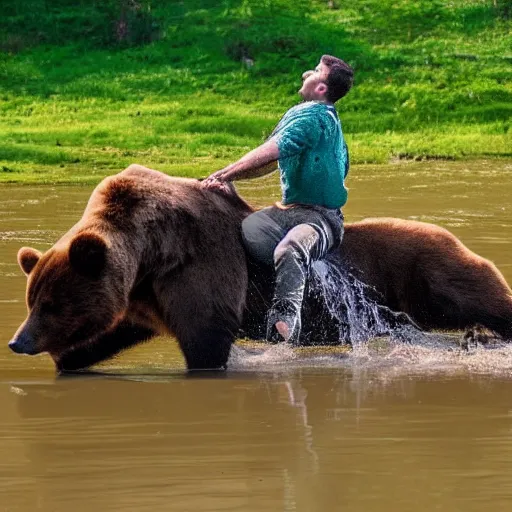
(408, 427)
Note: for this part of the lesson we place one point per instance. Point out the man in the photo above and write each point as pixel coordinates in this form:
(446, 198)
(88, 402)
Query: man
(309, 147)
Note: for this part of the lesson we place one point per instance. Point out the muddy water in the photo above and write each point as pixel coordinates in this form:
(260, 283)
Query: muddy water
(381, 429)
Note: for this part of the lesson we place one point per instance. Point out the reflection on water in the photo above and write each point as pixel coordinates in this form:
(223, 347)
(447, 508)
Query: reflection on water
(292, 440)
(388, 427)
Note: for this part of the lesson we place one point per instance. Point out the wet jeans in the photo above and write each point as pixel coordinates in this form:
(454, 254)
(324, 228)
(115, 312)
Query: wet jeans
(291, 239)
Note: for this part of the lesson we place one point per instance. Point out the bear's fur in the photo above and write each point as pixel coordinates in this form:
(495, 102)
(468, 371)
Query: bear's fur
(159, 255)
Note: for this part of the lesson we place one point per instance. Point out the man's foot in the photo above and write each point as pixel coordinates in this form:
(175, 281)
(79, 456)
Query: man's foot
(283, 330)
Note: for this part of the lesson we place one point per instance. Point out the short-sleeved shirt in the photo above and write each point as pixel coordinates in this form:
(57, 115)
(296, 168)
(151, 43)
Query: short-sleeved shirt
(313, 156)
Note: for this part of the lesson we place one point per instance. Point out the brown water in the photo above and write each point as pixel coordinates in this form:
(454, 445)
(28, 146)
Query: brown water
(395, 429)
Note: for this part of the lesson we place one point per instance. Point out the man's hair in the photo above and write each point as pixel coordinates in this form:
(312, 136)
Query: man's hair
(340, 78)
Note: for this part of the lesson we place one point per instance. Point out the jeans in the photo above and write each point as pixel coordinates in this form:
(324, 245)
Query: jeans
(291, 239)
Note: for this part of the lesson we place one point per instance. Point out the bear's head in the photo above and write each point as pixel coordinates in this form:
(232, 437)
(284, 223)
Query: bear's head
(74, 293)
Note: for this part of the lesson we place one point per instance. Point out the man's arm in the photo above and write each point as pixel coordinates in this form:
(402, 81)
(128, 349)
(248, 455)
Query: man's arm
(258, 162)
(261, 171)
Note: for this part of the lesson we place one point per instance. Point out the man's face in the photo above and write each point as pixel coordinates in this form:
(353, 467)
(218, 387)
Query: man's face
(314, 83)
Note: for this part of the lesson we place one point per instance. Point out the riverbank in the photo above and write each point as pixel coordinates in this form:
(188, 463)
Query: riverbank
(432, 83)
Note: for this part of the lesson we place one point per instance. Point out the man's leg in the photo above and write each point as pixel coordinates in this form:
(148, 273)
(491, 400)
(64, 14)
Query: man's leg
(293, 256)
(290, 239)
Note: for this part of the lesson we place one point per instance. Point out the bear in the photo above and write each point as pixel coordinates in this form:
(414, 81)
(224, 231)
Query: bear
(153, 254)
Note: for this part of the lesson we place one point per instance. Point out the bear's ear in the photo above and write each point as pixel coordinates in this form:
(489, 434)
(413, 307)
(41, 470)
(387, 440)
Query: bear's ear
(88, 254)
(28, 258)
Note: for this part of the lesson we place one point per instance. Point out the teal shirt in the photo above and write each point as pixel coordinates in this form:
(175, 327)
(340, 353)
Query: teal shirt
(313, 156)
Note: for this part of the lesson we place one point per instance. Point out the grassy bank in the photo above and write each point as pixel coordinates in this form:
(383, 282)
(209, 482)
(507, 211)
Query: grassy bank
(80, 98)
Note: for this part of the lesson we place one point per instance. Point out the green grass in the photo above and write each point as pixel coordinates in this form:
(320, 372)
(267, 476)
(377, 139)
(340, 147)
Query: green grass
(433, 80)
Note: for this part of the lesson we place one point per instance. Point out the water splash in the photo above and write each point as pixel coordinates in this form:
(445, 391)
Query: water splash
(382, 358)
(261, 356)
(383, 341)
(350, 302)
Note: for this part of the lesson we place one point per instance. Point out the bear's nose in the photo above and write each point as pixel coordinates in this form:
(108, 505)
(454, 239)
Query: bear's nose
(23, 344)
(16, 347)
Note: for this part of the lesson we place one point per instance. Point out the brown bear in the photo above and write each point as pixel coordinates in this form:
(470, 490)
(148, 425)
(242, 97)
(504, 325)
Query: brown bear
(151, 254)
(159, 255)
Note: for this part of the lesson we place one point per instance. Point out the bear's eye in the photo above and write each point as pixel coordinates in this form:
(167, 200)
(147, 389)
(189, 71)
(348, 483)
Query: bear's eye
(49, 308)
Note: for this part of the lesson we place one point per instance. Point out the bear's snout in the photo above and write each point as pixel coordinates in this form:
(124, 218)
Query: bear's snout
(23, 344)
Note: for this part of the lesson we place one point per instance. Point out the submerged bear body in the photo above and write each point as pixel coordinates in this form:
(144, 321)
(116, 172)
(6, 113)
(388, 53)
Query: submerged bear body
(159, 255)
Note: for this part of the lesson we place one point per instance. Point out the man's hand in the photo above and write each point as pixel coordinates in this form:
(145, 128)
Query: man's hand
(217, 180)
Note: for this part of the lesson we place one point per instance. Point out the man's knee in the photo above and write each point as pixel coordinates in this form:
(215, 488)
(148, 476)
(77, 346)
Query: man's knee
(296, 245)
(281, 251)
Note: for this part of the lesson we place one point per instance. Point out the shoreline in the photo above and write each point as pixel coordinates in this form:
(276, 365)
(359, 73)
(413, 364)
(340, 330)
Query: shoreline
(72, 176)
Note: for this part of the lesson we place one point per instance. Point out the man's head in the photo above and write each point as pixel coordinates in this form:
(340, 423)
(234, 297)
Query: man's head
(329, 81)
